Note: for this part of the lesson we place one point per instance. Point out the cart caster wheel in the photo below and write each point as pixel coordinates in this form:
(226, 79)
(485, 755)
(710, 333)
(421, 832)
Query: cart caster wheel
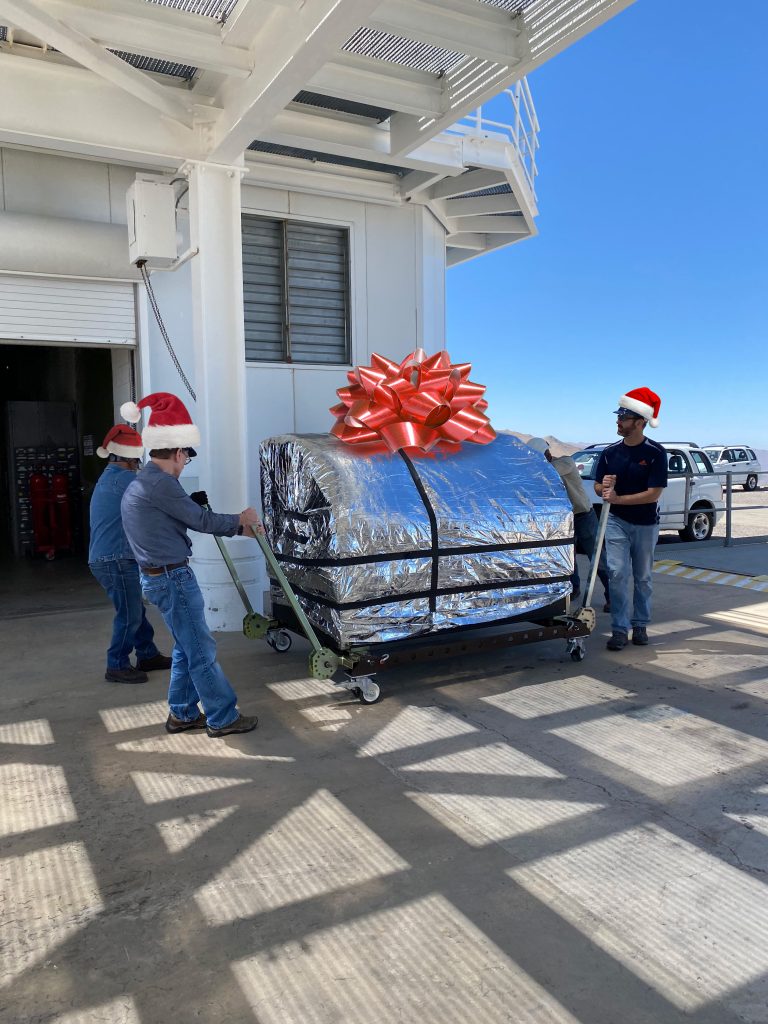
(577, 652)
(368, 693)
(279, 640)
(50, 555)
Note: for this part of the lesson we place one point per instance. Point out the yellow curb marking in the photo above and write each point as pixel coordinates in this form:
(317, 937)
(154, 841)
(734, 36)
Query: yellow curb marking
(729, 579)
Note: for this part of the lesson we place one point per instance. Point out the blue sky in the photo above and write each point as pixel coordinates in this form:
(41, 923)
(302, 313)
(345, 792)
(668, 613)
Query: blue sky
(651, 263)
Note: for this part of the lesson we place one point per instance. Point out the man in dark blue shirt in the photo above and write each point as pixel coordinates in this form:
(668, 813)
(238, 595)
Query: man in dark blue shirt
(157, 512)
(630, 475)
(111, 561)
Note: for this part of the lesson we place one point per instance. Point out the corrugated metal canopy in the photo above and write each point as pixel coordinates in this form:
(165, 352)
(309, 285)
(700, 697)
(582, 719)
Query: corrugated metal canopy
(369, 42)
(158, 67)
(314, 99)
(219, 9)
(326, 158)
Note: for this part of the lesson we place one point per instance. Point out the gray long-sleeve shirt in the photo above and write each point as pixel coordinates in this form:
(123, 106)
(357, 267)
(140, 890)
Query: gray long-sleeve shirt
(157, 512)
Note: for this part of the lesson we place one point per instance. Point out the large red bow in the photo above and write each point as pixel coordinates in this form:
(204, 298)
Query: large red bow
(420, 403)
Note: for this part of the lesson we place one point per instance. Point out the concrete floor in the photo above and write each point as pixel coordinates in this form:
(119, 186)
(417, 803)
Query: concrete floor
(510, 838)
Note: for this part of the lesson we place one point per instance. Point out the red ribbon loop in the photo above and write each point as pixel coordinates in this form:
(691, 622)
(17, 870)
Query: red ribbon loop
(423, 403)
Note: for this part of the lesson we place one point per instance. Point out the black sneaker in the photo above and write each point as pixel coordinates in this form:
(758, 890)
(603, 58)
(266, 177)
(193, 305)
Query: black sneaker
(175, 724)
(640, 636)
(607, 605)
(157, 661)
(126, 675)
(240, 724)
(618, 641)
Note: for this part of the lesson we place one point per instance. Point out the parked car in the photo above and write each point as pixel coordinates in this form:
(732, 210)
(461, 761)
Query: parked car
(688, 467)
(739, 460)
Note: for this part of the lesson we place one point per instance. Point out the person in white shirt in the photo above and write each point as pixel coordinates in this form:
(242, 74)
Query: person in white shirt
(584, 518)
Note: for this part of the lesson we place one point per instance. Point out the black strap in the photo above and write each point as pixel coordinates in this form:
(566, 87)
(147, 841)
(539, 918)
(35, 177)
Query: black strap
(401, 556)
(432, 593)
(435, 549)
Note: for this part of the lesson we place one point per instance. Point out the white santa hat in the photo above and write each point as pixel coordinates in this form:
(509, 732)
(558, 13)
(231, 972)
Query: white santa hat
(169, 425)
(644, 402)
(122, 441)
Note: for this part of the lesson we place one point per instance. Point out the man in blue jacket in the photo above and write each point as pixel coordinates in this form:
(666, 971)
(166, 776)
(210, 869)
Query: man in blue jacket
(111, 561)
(157, 512)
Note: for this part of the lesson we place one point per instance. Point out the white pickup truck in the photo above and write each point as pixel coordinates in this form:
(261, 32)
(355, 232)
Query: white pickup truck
(688, 468)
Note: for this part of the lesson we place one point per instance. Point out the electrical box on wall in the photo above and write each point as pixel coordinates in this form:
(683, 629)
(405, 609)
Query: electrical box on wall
(151, 222)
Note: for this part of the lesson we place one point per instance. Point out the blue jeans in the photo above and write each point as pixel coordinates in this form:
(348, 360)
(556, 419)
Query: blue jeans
(130, 629)
(629, 549)
(195, 673)
(585, 533)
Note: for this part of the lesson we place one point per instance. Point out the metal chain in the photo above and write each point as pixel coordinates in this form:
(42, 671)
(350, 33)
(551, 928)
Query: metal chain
(156, 310)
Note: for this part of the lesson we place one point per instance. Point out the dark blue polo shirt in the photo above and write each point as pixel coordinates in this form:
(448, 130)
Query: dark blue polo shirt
(637, 467)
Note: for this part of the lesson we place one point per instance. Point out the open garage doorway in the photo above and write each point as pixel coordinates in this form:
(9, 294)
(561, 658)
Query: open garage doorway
(56, 404)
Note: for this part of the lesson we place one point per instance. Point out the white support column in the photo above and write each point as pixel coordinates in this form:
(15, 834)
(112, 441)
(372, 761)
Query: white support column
(224, 465)
(429, 236)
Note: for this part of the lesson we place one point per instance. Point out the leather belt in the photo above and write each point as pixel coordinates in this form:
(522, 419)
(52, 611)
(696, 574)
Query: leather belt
(160, 570)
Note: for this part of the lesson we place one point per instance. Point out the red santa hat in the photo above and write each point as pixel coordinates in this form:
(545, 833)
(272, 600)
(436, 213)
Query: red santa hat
(169, 425)
(644, 402)
(122, 441)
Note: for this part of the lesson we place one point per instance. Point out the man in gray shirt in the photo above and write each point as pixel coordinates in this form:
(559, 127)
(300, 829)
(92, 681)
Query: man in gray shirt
(157, 512)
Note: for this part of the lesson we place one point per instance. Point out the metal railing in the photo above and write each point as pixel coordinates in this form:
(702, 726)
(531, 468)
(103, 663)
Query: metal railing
(522, 133)
(726, 506)
(728, 540)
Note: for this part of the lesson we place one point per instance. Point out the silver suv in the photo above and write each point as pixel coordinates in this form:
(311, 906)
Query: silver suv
(737, 459)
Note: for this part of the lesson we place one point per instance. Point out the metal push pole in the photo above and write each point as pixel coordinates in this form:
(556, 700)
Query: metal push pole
(601, 526)
(728, 509)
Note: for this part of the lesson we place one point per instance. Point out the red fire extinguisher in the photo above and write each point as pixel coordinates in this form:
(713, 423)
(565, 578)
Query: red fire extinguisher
(39, 499)
(61, 520)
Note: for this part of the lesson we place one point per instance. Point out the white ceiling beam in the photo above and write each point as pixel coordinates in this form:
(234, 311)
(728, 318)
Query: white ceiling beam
(380, 84)
(69, 110)
(290, 47)
(316, 132)
(472, 181)
(467, 240)
(503, 202)
(26, 15)
(419, 181)
(244, 23)
(461, 26)
(154, 32)
(492, 225)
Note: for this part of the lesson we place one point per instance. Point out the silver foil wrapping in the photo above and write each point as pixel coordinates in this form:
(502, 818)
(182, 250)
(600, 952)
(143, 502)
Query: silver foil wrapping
(372, 561)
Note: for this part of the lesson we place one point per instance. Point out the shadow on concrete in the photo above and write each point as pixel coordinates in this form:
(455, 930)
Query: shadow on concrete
(502, 839)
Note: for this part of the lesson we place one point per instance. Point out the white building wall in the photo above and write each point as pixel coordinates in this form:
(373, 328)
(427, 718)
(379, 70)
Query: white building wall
(397, 282)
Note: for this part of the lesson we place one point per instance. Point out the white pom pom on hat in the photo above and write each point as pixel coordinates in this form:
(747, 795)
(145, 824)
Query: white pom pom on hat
(130, 412)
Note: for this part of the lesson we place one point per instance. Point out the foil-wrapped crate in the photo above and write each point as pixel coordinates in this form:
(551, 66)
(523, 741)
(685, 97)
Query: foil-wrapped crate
(383, 547)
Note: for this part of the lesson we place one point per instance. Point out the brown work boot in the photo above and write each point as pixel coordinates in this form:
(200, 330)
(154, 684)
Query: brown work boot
(126, 675)
(174, 724)
(157, 661)
(240, 724)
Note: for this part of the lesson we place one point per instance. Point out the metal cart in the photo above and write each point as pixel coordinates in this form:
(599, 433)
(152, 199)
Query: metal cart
(360, 663)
